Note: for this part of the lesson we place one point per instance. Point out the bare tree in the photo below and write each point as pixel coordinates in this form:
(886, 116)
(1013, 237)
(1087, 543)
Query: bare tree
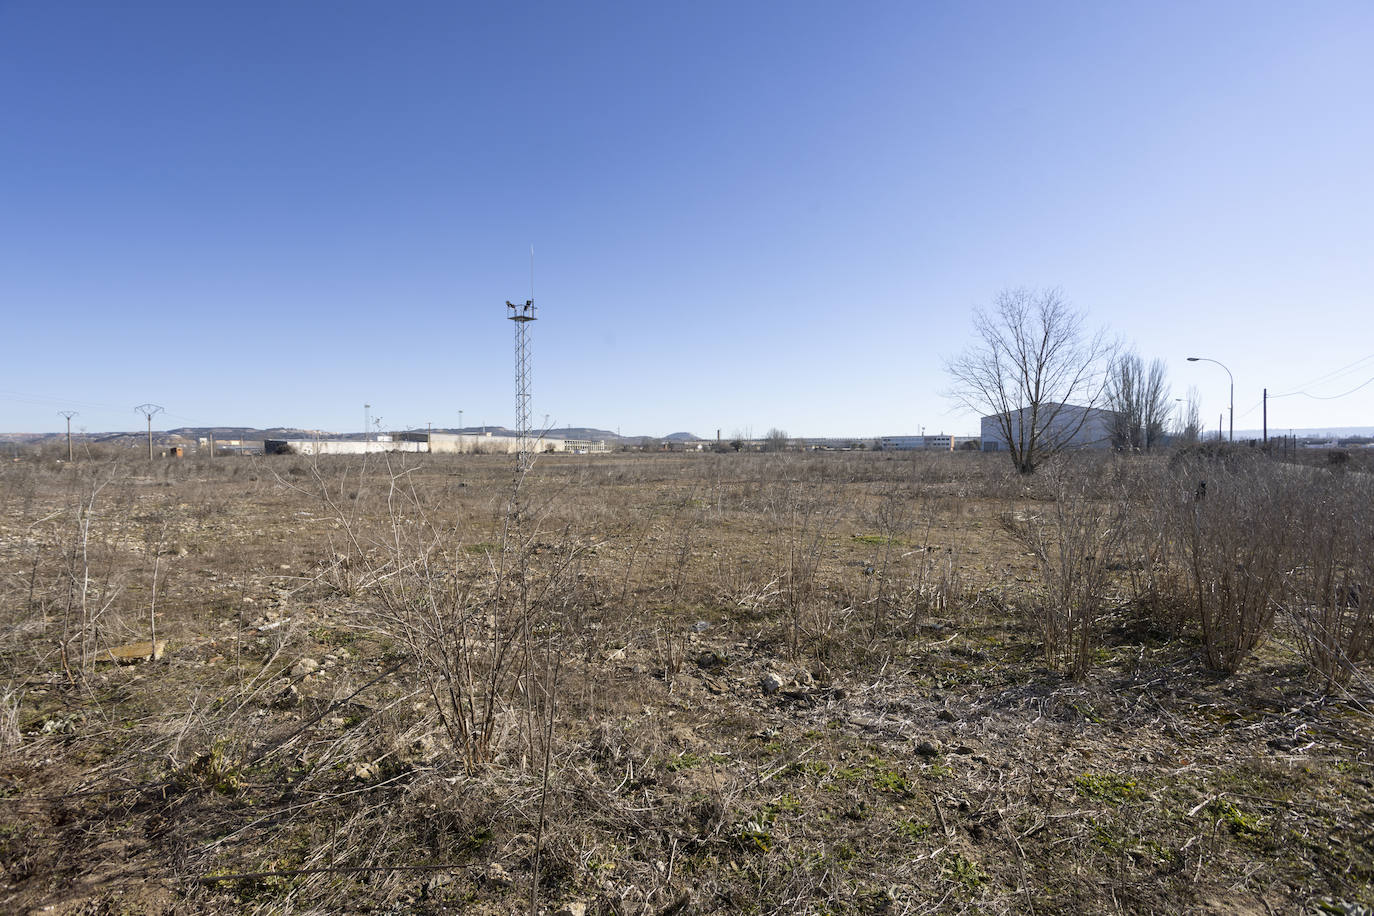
(1139, 400)
(1190, 417)
(776, 441)
(1033, 368)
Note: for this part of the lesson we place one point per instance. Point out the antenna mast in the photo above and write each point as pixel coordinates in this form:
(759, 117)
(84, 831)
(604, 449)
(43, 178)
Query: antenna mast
(522, 315)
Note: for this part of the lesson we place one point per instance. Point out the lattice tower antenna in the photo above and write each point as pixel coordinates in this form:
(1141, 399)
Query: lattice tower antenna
(522, 315)
(148, 410)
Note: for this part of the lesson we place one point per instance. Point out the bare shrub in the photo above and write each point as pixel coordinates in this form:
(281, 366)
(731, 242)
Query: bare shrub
(801, 518)
(892, 518)
(478, 630)
(1235, 513)
(1153, 547)
(1328, 599)
(1073, 542)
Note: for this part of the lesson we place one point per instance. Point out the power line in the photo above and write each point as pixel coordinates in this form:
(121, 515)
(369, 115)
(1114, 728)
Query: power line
(1323, 397)
(1335, 373)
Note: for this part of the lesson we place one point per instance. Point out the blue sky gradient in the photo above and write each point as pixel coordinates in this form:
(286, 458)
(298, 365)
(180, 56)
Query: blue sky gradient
(744, 215)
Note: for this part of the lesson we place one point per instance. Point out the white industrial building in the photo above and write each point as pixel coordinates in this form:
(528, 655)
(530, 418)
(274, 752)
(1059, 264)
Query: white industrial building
(1059, 426)
(432, 443)
(940, 443)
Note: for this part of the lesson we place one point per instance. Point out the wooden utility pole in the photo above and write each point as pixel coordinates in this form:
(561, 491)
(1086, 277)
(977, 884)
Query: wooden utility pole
(1266, 416)
(68, 414)
(148, 410)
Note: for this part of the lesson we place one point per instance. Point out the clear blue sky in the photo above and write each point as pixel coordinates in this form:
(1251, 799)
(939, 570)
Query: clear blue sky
(744, 215)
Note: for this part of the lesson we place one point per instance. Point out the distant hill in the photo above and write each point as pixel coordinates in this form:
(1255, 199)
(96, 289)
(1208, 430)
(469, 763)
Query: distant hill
(682, 437)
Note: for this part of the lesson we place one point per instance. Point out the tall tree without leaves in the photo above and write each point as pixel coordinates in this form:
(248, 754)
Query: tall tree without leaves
(1189, 421)
(1139, 400)
(1032, 368)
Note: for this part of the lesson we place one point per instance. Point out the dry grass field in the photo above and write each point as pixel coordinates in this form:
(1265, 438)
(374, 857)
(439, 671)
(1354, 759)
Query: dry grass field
(659, 684)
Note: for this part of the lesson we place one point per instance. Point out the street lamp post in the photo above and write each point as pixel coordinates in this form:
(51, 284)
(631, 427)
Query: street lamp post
(1204, 359)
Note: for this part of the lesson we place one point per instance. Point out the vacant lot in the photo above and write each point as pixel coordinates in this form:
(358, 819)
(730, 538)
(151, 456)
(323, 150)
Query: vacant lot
(683, 684)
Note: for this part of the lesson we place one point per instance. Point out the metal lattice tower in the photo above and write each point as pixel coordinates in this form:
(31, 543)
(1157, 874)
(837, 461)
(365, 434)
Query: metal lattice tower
(522, 315)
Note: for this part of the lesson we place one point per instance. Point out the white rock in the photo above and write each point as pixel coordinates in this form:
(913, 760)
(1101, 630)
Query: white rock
(304, 666)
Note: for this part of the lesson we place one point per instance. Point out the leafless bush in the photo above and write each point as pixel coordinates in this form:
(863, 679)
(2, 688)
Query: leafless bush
(801, 517)
(1152, 552)
(1328, 599)
(478, 629)
(892, 518)
(1073, 541)
(1235, 515)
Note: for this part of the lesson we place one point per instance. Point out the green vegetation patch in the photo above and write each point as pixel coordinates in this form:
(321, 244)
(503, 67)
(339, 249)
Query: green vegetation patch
(1109, 787)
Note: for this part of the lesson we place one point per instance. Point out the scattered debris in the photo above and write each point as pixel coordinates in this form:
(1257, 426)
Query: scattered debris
(134, 652)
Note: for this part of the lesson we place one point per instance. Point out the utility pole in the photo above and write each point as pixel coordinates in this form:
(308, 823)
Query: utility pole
(148, 410)
(1266, 416)
(68, 414)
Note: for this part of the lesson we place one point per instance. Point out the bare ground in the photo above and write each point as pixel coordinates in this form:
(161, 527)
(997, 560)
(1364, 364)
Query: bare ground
(886, 739)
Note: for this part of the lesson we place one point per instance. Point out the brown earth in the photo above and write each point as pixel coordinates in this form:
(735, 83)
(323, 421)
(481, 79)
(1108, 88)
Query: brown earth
(791, 683)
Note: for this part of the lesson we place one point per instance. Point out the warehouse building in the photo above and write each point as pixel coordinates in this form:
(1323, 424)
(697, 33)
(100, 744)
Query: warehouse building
(1059, 426)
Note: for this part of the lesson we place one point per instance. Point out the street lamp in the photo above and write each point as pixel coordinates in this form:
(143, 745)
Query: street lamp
(1203, 359)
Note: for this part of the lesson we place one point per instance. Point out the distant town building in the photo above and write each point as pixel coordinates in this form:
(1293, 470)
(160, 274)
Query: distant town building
(938, 443)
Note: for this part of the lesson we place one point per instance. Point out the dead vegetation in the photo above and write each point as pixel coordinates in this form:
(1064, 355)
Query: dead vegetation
(687, 684)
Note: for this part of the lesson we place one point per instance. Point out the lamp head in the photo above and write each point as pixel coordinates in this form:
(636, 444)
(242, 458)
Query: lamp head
(1193, 359)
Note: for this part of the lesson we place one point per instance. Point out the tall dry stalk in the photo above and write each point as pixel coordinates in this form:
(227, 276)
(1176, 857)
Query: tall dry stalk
(801, 517)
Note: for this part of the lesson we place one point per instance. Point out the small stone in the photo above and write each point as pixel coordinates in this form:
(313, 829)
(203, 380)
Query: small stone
(363, 772)
(928, 749)
(572, 908)
(710, 659)
(498, 876)
(304, 666)
(337, 722)
(701, 626)
(770, 683)
(288, 698)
